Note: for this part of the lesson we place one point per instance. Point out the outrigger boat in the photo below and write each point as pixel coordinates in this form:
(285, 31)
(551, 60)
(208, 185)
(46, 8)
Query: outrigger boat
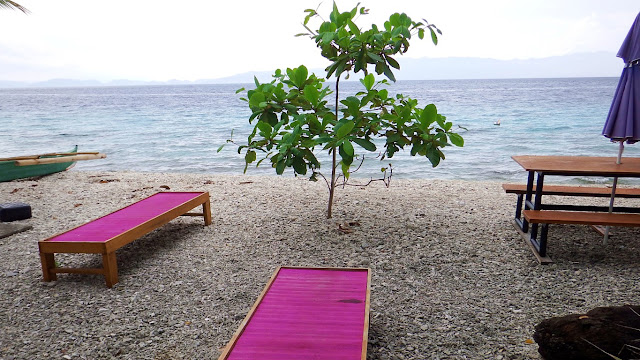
(20, 167)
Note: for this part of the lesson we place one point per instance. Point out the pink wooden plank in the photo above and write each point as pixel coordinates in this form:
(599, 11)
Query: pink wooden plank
(308, 314)
(106, 227)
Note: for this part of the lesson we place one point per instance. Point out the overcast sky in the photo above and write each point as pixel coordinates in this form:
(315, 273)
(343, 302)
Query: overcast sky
(197, 39)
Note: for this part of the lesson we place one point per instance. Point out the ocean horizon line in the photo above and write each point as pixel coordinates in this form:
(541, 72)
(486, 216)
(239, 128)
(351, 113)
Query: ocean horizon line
(74, 83)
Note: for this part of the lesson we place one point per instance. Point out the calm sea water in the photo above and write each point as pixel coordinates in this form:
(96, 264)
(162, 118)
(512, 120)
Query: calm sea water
(179, 128)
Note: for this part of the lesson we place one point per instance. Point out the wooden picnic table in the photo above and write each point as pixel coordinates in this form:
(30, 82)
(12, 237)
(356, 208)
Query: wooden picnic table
(536, 212)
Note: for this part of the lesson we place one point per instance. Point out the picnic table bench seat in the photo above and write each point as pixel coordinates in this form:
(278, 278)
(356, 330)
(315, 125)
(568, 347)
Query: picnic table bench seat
(109, 233)
(306, 313)
(565, 190)
(581, 218)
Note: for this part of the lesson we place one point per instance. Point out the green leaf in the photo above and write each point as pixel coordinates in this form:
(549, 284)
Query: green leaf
(429, 115)
(331, 69)
(239, 90)
(348, 148)
(327, 37)
(434, 37)
(365, 144)
(335, 13)
(311, 14)
(353, 28)
(342, 64)
(300, 76)
(456, 139)
(256, 99)
(368, 81)
(250, 156)
(220, 148)
(312, 95)
(374, 57)
(299, 166)
(434, 156)
(421, 34)
(392, 62)
(265, 128)
(353, 104)
(405, 32)
(345, 170)
(343, 128)
(311, 158)
(394, 19)
(388, 73)
(280, 165)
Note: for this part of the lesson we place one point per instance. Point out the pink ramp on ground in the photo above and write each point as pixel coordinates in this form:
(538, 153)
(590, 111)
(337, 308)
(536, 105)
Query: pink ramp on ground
(106, 227)
(307, 313)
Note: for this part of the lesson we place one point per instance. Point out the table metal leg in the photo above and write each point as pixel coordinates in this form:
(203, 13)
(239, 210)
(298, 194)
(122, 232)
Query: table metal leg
(519, 210)
(541, 244)
(522, 222)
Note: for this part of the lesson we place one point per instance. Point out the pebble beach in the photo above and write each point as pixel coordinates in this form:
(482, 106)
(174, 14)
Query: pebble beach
(451, 277)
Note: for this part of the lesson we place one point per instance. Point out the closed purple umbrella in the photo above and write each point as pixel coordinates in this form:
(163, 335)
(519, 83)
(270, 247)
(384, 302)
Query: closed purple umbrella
(623, 121)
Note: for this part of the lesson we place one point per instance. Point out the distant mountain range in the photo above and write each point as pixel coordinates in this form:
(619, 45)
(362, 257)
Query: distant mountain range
(596, 64)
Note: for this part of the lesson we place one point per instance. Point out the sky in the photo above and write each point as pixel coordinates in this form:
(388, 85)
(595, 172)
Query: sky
(159, 40)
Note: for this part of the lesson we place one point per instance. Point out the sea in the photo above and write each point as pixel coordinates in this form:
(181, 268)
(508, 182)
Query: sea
(179, 128)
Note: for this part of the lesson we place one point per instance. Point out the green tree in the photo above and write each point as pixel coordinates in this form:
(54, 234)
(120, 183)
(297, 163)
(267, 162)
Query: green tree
(293, 115)
(8, 4)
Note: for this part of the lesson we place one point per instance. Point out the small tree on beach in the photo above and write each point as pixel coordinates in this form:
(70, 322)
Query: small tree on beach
(293, 115)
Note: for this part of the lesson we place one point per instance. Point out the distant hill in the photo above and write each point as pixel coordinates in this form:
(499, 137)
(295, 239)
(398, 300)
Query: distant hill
(597, 64)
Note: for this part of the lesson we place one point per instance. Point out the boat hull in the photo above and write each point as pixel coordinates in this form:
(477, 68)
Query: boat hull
(10, 171)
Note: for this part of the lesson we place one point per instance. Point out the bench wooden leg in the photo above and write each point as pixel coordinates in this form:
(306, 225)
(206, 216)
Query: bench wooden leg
(48, 263)
(206, 209)
(110, 267)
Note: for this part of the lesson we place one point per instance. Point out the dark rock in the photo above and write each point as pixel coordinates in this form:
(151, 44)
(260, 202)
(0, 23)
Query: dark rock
(614, 330)
(14, 211)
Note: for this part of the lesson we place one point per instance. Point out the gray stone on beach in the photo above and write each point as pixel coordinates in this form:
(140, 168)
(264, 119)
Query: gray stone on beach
(8, 229)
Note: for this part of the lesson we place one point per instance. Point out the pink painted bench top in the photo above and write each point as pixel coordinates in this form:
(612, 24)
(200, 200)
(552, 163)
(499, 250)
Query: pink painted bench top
(109, 226)
(308, 313)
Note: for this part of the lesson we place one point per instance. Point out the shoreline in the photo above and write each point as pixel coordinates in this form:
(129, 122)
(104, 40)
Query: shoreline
(451, 277)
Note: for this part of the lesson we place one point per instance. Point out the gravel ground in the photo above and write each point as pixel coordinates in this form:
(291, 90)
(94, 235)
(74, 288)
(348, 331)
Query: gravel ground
(451, 278)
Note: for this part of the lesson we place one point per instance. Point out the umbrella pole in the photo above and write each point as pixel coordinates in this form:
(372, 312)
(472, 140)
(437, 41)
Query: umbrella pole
(613, 191)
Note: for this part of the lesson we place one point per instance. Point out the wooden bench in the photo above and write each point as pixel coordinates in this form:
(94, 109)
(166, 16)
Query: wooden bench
(546, 217)
(580, 218)
(306, 313)
(109, 233)
(564, 214)
(563, 190)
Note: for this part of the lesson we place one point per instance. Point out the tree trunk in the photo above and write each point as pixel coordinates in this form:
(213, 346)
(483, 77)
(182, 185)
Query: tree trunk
(332, 186)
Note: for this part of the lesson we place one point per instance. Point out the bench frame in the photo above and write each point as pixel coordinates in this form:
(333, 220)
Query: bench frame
(108, 248)
(365, 336)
